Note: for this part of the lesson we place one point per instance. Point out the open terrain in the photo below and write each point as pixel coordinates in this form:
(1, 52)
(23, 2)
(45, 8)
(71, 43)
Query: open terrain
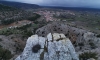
(17, 24)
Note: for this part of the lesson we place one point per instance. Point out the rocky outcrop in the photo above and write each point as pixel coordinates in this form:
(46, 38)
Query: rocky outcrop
(73, 33)
(83, 40)
(53, 47)
(76, 35)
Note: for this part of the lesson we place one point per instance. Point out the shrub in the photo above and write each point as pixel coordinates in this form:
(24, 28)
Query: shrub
(81, 44)
(0, 39)
(93, 46)
(6, 32)
(0, 46)
(5, 54)
(28, 33)
(35, 17)
(6, 22)
(87, 55)
(98, 35)
(24, 27)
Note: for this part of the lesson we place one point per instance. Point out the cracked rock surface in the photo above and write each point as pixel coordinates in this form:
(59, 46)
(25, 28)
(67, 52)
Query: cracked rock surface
(53, 47)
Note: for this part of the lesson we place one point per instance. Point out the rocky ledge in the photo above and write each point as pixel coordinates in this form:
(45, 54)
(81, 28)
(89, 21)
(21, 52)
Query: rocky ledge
(53, 47)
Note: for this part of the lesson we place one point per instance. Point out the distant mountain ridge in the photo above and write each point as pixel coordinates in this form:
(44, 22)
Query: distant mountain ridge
(34, 6)
(20, 5)
(73, 8)
(6, 8)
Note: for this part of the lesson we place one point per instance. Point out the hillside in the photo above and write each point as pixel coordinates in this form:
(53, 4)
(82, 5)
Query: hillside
(10, 14)
(89, 20)
(20, 5)
(6, 8)
(80, 27)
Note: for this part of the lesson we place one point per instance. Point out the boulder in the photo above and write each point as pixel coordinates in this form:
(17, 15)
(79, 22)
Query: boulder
(53, 47)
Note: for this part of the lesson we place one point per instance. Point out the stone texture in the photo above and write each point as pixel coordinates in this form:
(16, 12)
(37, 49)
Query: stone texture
(53, 47)
(83, 40)
(73, 33)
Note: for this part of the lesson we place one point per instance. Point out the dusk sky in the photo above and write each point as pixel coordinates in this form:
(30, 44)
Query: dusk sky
(64, 3)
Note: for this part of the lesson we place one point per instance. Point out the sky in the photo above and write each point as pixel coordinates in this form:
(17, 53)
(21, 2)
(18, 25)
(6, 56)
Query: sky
(64, 3)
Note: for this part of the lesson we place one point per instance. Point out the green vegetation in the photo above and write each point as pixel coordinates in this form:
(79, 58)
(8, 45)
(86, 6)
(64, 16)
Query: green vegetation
(0, 39)
(6, 8)
(0, 46)
(18, 18)
(26, 30)
(81, 44)
(93, 46)
(9, 15)
(19, 30)
(24, 27)
(5, 54)
(6, 31)
(6, 22)
(87, 55)
(98, 35)
(34, 18)
(87, 19)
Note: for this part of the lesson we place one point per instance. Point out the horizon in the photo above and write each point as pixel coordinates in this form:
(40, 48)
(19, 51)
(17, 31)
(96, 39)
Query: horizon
(65, 3)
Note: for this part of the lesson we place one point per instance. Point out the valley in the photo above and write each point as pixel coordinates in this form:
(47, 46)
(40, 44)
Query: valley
(17, 24)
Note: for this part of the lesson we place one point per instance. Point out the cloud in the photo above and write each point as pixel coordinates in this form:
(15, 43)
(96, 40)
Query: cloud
(28, 1)
(65, 3)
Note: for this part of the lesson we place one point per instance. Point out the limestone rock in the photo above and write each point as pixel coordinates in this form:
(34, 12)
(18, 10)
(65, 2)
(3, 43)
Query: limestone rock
(76, 35)
(73, 33)
(53, 47)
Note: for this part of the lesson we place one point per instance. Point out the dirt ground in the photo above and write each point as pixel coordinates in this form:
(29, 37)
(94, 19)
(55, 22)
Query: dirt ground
(16, 24)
